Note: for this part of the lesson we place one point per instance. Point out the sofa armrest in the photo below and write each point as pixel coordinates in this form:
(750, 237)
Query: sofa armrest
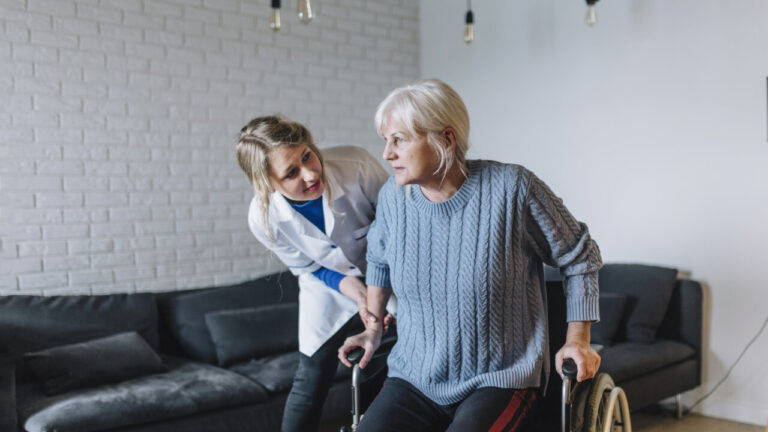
(7, 393)
(683, 320)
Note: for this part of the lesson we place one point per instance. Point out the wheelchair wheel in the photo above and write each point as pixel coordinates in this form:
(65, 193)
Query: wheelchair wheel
(606, 407)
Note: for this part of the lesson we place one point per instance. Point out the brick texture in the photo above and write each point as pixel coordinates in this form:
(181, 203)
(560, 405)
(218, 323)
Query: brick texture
(117, 127)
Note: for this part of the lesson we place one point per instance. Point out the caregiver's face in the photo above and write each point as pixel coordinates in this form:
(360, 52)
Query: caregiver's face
(413, 160)
(296, 173)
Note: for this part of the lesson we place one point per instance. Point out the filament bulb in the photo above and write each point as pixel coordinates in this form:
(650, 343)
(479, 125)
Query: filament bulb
(304, 11)
(274, 17)
(591, 18)
(469, 27)
(469, 33)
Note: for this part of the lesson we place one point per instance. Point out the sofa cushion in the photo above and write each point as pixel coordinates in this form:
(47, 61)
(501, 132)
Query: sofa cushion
(631, 359)
(648, 291)
(33, 323)
(242, 334)
(188, 388)
(275, 372)
(100, 361)
(186, 313)
(611, 311)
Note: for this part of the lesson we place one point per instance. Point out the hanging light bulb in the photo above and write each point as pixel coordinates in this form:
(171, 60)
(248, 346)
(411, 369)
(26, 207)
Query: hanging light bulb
(274, 17)
(591, 18)
(304, 11)
(469, 24)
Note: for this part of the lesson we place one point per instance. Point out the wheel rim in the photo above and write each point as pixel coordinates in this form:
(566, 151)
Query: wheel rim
(600, 420)
(611, 416)
(596, 412)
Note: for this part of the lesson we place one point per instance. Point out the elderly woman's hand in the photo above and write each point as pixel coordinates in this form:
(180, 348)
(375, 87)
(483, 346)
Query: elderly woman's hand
(577, 348)
(369, 340)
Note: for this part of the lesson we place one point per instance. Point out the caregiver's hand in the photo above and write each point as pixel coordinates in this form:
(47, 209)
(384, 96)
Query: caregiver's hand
(355, 289)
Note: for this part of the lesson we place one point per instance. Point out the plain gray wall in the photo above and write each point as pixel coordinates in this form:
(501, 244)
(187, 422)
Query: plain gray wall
(652, 128)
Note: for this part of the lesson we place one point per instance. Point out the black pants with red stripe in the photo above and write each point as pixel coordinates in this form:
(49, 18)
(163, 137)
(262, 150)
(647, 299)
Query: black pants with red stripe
(400, 407)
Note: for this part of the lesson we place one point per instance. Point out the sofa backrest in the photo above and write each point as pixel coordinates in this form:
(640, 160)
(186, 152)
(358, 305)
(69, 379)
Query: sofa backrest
(649, 292)
(184, 314)
(33, 323)
(683, 320)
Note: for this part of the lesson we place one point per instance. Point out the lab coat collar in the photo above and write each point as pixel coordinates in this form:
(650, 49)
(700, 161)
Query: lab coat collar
(283, 212)
(336, 193)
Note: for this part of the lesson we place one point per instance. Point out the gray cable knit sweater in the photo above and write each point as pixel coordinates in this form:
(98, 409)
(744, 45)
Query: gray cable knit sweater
(467, 273)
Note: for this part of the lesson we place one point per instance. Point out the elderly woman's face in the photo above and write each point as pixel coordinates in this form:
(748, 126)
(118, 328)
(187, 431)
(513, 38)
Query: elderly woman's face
(413, 160)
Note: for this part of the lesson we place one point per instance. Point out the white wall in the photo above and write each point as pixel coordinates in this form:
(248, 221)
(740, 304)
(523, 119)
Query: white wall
(652, 127)
(118, 120)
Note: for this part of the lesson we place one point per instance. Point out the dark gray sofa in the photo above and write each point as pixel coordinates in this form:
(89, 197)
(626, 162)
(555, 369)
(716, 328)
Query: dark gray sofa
(194, 392)
(650, 329)
(197, 394)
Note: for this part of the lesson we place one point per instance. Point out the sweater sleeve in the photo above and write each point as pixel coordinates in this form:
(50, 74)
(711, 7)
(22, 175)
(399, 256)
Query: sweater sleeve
(329, 277)
(377, 273)
(563, 242)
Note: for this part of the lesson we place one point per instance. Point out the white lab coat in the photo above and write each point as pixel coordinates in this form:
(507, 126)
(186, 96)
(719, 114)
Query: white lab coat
(354, 178)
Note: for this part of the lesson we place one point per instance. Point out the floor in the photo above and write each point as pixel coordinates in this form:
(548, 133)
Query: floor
(653, 420)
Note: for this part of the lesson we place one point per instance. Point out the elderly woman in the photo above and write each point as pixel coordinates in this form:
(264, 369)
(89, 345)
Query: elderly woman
(461, 244)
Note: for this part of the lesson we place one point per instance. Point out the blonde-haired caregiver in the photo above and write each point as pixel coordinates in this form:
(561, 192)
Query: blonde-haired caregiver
(313, 210)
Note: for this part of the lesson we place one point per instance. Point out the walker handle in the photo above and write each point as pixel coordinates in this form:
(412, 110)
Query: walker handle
(570, 370)
(385, 347)
(355, 355)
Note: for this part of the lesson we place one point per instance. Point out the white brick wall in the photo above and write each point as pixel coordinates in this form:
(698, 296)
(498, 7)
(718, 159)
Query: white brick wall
(117, 122)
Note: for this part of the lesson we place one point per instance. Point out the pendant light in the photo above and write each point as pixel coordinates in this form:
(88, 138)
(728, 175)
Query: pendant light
(274, 17)
(591, 18)
(469, 24)
(304, 11)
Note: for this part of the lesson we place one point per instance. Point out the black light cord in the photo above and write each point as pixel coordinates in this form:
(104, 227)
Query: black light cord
(730, 369)
(469, 17)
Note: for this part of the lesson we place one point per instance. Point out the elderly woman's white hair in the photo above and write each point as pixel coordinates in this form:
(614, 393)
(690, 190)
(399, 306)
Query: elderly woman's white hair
(427, 108)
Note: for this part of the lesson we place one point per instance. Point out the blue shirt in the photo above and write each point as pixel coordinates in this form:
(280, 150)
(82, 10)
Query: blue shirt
(313, 211)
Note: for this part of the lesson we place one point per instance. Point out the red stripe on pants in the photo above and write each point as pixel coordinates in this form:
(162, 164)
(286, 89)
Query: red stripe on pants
(517, 403)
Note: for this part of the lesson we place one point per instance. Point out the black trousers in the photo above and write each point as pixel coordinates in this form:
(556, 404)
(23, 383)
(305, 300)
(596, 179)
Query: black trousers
(314, 378)
(400, 407)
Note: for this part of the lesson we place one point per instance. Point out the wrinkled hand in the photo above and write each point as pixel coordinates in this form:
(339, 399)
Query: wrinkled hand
(373, 321)
(368, 340)
(389, 319)
(355, 289)
(587, 360)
